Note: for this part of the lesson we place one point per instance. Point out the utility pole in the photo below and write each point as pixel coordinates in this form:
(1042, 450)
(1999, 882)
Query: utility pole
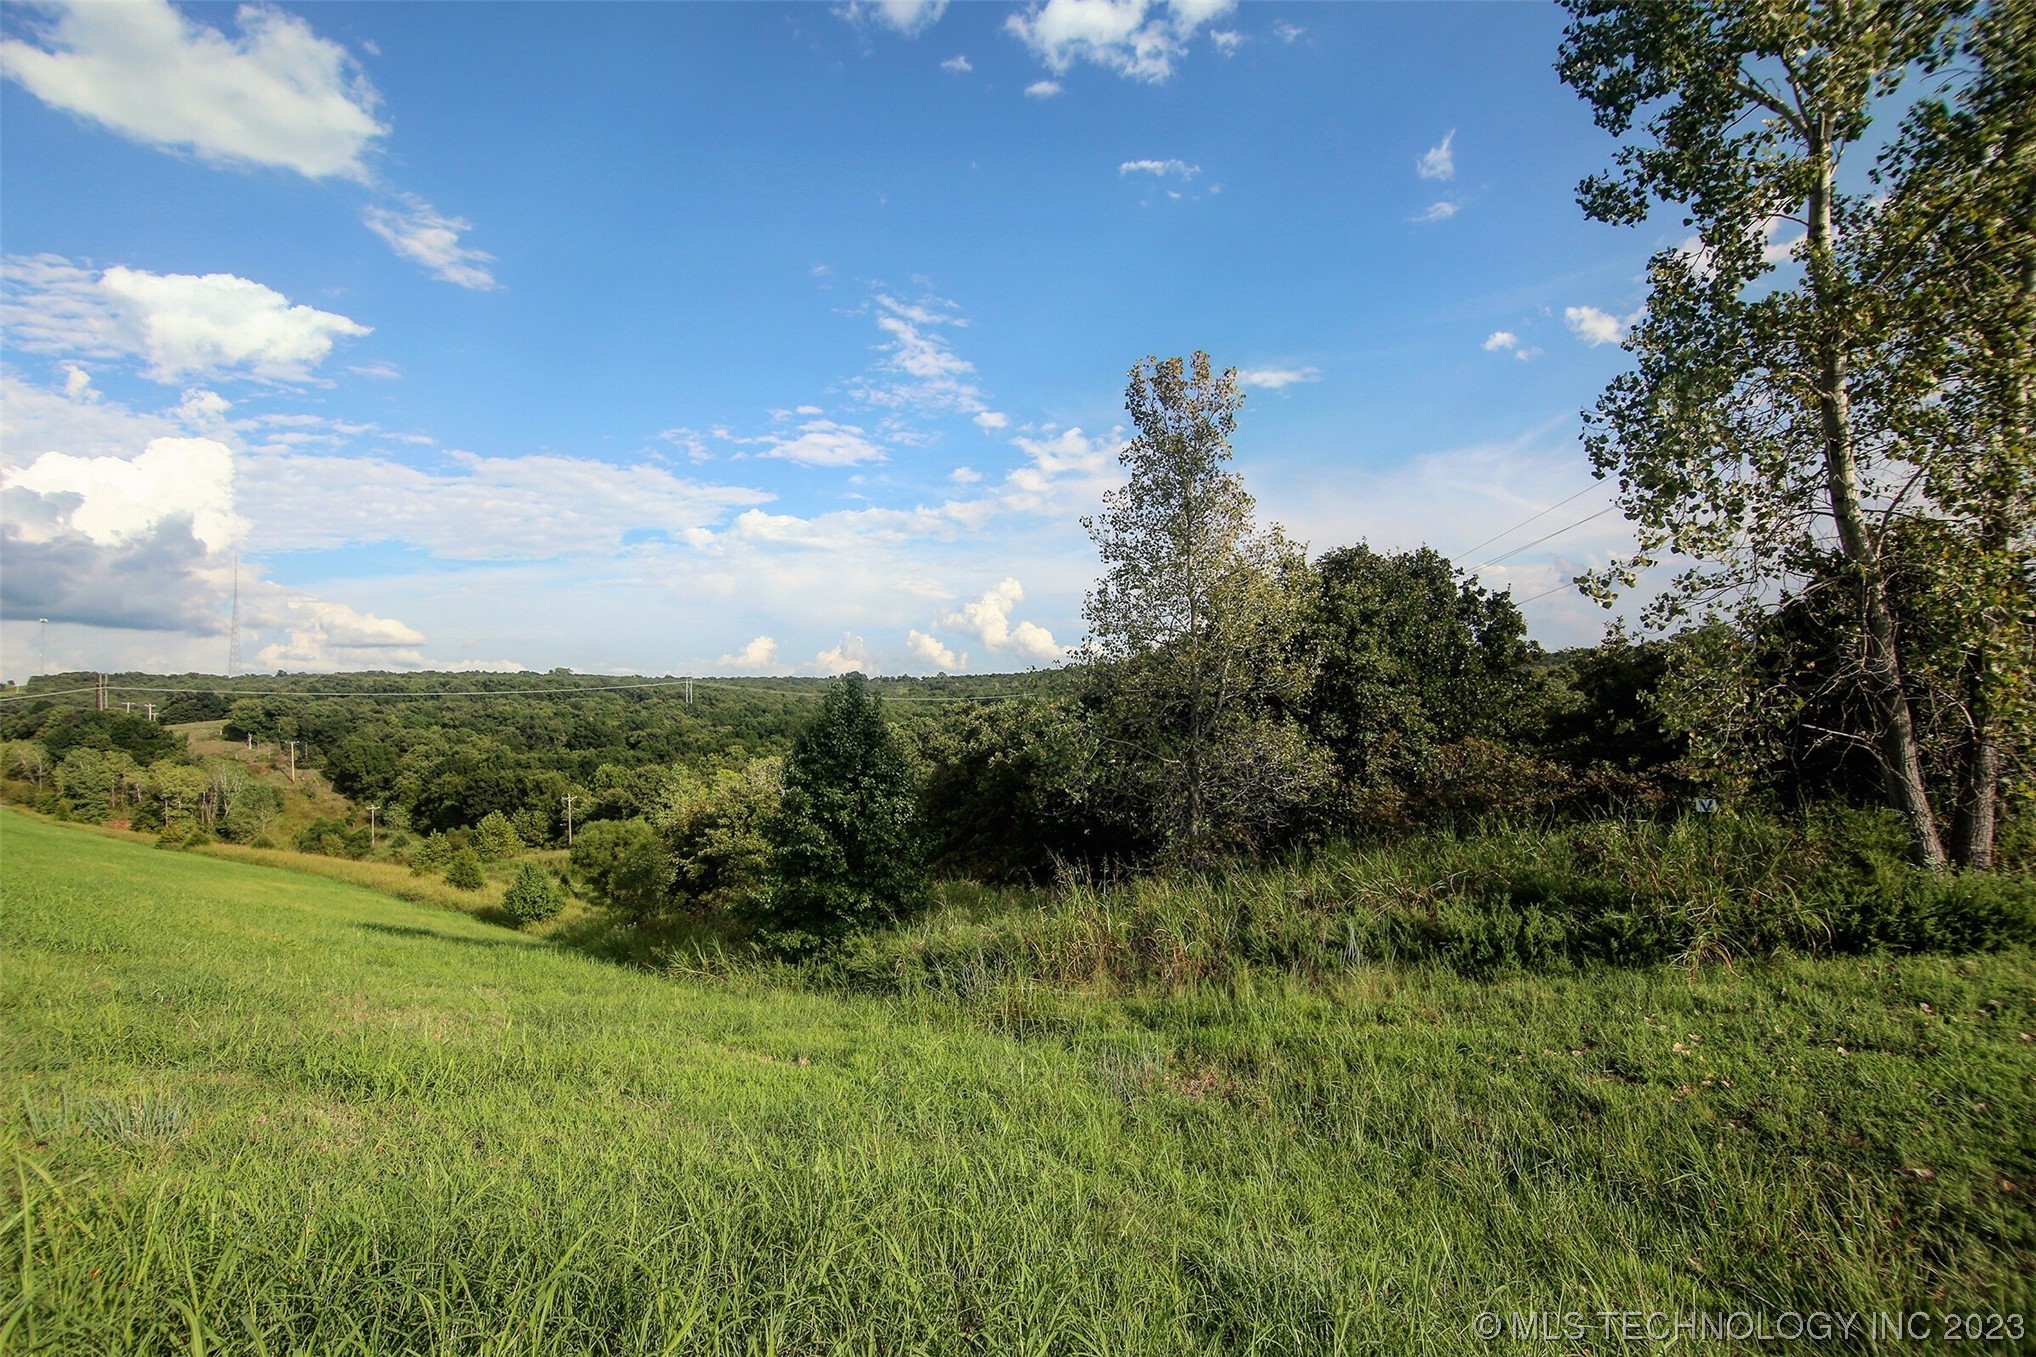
(129, 706)
(689, 692)
(42, 636)
(569, 820)
(371, 827)
(293, 759)
(151, 711)
(99, 689)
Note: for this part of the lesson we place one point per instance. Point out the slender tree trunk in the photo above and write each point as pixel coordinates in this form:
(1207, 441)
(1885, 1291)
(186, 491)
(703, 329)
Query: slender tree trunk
(1895, 734)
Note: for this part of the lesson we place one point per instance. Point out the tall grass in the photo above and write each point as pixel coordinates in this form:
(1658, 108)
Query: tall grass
(1720, 889)
(349, 1124)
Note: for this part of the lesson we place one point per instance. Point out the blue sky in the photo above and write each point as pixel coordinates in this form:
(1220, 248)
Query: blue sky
(762, 339)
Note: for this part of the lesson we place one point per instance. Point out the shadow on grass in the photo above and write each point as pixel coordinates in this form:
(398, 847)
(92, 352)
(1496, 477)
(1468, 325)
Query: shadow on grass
(411, 931)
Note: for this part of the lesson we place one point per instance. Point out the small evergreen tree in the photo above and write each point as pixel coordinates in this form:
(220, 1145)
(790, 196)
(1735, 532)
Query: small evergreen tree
(464, 871)
(531, 897)
(845, 842)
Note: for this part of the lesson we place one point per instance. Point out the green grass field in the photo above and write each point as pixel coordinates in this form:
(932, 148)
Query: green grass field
(254, 1111)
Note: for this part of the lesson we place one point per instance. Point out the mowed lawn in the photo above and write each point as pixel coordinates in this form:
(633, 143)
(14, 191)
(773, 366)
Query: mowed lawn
(253, 1111)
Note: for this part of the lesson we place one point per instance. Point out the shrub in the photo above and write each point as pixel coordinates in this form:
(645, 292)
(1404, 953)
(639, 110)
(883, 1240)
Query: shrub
(623, 863)
(714, 833)
(532, 897)
(495, 838)
(332, 837)
(464, 870)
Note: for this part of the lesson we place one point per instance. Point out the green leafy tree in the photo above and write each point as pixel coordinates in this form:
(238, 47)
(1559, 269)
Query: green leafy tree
(846, 844)
(464, 870)
(715, 833)
(623, 863)
(532, 897)
(1194, 671)
(1737, 441)
(86, 782)
(1953, 254)
(495, 838)
(1409, 658)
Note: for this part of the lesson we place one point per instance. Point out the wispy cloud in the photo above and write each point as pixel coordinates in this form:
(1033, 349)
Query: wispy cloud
(1438, 211)
(420, 233)
(1160, 168)
(958, 64)
(1438, 162)
(1274, 379)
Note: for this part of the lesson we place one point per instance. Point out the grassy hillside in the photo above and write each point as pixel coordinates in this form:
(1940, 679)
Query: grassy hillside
(252, 1111)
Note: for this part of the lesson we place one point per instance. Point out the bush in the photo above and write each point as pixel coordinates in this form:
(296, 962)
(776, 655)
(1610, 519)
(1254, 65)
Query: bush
(464, 871)
(333, 838)
(532, 897)
(624, 864)
(714, 833)
(495, 838)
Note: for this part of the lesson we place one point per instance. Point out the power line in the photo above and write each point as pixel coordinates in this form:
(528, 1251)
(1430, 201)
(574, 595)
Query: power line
(1467, 551)
(1507, 555)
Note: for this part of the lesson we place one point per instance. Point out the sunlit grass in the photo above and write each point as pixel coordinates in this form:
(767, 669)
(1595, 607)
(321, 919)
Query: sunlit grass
(254, 1111)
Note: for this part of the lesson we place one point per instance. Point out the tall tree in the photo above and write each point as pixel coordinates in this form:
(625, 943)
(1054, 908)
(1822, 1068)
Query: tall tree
(1736, 441)
(1410, 656)
(1194, 673)
(846, 846)
(1954, 251)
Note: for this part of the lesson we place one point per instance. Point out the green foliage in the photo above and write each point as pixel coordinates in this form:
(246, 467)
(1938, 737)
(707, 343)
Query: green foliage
(624, 864)
(1729, 888)
(846, 843)
(334, 838)
(1009, 790)
(463, 870)
(253, 809)
(532, 897)
(86, 782)
(715, 835)
(1193, 671)
(1409, 658)
(495, 838)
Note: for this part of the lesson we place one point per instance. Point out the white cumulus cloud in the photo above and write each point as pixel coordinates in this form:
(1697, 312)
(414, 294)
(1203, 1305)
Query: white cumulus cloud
(277, 95)
(760, 656)
(181, 324)
(991, 420)
(1595, 327)
(958, 63)
(848, 657)
(989, 619)
(1042, 89)
(1135, 38)
(929, 648)
(120, 499)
